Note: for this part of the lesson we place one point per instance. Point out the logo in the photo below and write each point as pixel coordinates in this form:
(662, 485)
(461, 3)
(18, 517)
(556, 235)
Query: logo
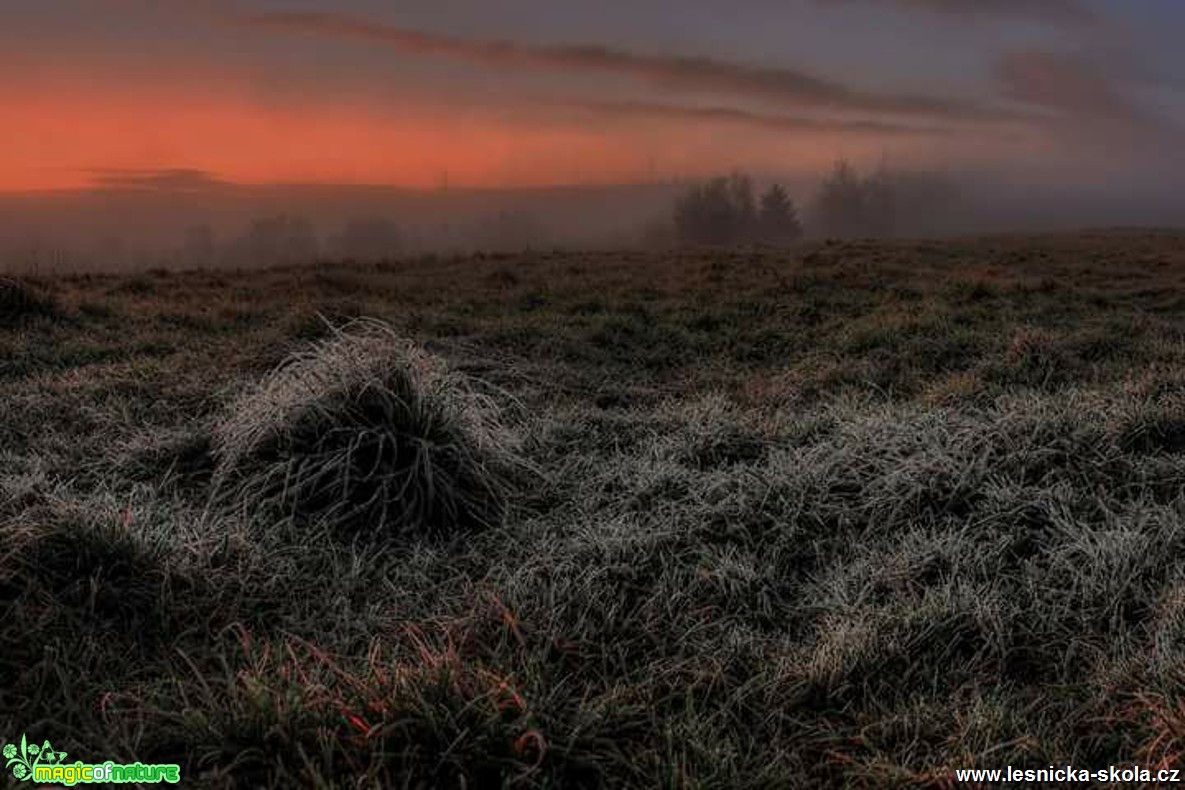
(43, 765)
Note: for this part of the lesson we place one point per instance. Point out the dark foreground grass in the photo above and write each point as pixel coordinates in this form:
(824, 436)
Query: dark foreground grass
(22, 301)
(853, 519)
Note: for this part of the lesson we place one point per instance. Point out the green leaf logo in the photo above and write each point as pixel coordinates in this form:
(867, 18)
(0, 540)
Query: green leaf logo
(24, 760)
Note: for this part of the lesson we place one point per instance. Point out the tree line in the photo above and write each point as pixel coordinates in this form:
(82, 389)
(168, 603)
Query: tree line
(289, 238)
(286, 238)
(726, 210)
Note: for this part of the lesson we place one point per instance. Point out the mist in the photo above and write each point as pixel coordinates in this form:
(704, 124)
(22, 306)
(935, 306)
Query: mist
(163, 225)
(96, 229)
(357, 130)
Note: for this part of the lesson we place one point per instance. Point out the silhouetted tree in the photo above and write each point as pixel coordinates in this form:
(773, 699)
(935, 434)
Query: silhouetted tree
(703, 215)
(282, 239)
(373, 239)
(840, 205)
(883, 204)
(740, 190)
(880, 205)
(777, 222)
(719, 211)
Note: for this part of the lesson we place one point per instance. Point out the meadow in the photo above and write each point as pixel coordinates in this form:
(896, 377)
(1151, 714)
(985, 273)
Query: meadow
(852, 515)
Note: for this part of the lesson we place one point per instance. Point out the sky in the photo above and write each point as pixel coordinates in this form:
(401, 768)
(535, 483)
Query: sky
(191, 94)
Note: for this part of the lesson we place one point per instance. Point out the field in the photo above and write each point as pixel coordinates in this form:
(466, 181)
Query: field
(854, 515)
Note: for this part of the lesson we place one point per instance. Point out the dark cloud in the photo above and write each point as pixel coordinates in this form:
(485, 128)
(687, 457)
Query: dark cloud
(707, 75)
(1057, 12)
(768, 121)
(176, 180)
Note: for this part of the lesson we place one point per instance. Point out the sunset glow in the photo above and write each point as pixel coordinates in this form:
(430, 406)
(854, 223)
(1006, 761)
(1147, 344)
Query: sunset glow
(64, 137)
(253, 94)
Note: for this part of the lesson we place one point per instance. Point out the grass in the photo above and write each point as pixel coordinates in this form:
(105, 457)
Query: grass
(22, 301)
(369, 434)
(854, 518)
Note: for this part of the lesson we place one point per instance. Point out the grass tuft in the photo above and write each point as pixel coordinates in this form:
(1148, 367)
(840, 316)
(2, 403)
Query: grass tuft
(22, 301)
(370, 436)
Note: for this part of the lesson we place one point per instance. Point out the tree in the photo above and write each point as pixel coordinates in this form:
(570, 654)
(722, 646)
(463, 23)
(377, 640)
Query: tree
(840, 205)
(704, 215)
(278, 240)
(719, 211)
(884, 204)
(880, 205)
(777, 222)
(740, 191)
(373, 239)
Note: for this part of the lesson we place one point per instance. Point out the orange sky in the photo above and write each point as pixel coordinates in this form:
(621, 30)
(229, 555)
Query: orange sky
(363, 93)
(65, 133)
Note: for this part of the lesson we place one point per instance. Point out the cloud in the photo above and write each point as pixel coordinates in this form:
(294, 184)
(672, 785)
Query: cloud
(694, 74)
(175, 180)
(1069, 84)
(770, 122)
(1054, 12)
(1087, 102)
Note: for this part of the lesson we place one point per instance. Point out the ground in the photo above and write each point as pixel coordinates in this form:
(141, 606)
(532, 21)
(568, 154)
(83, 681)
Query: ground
(857, 514)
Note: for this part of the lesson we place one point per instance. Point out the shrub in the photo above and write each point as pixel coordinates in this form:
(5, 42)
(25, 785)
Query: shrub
(21, 301)
(367, 434)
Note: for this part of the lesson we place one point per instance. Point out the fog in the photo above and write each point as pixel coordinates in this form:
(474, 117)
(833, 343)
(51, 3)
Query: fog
(130, 228)
(144, 134)
(168, 222)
